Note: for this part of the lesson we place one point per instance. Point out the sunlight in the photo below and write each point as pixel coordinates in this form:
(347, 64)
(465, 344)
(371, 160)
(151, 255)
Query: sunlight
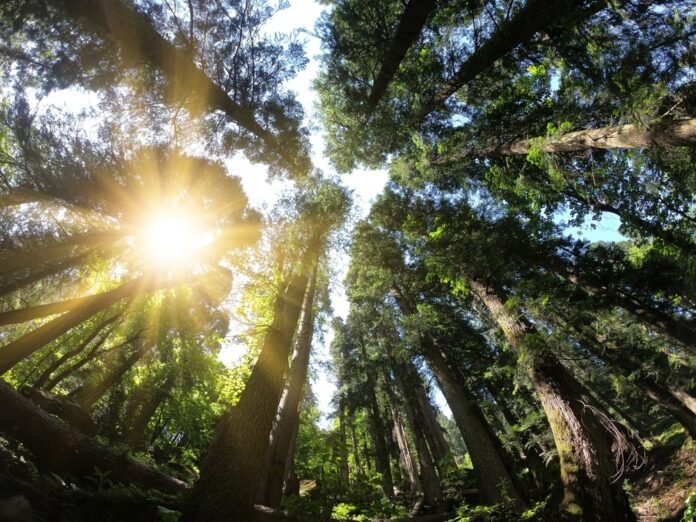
(173, 239)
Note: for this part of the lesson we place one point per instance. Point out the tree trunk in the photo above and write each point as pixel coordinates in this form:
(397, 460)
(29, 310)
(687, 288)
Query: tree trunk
(137, 425)
(33, 276)
(26, 345)
(344, 475)
(496, 481)
(439, 447)
(429, 480)
(668, 134)
(410, 25)
(94, 351)
(62, 450)
(289, 409)
(233, 467)
(356, 452)
(411, 482)
(535, 16)
(86, 396)
(51, 253)
(582, 441)
(39, 383)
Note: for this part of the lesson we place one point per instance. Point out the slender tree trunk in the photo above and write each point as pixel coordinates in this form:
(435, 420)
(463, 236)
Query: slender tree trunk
(533, 17)
(582, 442)
(439, 447)
(90, 356)
(495, 479)
(288, 410)
(377, 429)
(33, 276)
(233, 467)
(344, 475)
(356, 452)
(39, 383)
(59, 251)
(26, 345)
(409, 29)
(137, 425)
(140, 42)
(411, 480)
(430, 483)
(86, 396)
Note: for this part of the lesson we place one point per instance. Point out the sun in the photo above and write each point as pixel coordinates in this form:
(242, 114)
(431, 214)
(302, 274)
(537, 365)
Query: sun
(172, 239)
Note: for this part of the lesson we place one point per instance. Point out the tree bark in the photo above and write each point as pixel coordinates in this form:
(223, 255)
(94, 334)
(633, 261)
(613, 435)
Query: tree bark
(289, 408)
(39, 383)
(344, 475)
(411, 480)
(667, 134)
(137, 425)
(62, 450)
(410, 25)
(87, 396)
(582, 441)
(93, 352)
(535, 16)
(430, 483)
(26, 345)
(232, 470)
(496, 481)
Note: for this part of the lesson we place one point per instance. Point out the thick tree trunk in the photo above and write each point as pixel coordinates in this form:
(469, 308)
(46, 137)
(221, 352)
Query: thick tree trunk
(410, 25)
(87, 396)
(377, 432)
(26, 345)
(62, 450)
(39, 383)
(289, 408)
(668, 134)
(535, 16)
(582, 442)
(233, 467)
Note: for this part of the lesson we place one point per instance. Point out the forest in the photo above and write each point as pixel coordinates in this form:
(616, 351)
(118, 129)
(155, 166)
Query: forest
(202, 319)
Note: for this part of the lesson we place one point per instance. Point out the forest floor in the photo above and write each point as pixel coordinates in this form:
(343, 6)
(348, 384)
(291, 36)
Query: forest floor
(660, 488)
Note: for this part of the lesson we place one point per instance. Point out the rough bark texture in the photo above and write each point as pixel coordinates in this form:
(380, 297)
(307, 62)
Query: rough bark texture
(407, 32)
(289, 409)
(668, 134)
(535, 16)
(62, 450)
(233, 467)
(582, 442)
(343, 441)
